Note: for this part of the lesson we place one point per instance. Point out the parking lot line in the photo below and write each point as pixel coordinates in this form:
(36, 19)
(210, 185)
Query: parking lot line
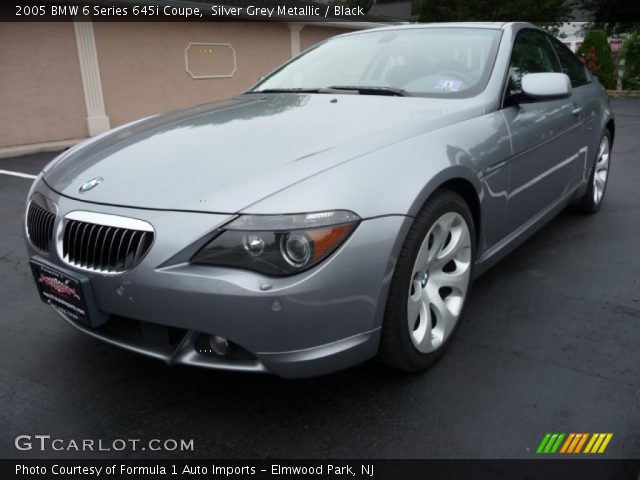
(17, 174)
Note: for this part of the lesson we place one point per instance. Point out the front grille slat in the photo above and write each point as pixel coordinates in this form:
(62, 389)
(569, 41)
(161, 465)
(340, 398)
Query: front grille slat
(87, 245)
(113, 253)
(91, 244)
(72, 227)
(83, 242)
(65, 241)
(140, 247)
(40, 224)
(40, 233)
(119, 257)
(94, 253)
(35, 232)
(50, 221)
(130, 250)
(76, 237)
(104, 248)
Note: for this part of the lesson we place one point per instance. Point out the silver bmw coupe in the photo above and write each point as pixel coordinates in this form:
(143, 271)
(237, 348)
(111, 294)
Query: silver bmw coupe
(337, 211)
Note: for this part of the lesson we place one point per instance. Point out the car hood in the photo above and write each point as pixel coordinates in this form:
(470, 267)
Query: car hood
(225, 156)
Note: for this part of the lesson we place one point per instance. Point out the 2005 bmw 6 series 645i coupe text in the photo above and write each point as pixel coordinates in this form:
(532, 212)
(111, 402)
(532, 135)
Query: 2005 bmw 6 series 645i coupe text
(337, 211)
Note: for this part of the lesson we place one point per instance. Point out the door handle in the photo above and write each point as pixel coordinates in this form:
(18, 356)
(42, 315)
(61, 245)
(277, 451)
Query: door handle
(576, 110)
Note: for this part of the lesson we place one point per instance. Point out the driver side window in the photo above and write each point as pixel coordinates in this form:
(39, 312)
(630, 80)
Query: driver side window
(531, 53)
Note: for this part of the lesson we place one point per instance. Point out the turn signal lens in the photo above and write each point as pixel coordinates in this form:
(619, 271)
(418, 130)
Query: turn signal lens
(291, 244)
(326, 240)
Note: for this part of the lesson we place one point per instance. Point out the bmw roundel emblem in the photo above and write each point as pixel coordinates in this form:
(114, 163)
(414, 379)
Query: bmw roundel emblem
(89, 184)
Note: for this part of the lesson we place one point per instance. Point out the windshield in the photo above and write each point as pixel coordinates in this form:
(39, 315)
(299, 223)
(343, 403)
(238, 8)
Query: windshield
(431, 62)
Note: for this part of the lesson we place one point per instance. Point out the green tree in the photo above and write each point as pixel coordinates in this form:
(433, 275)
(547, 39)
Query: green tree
(595, 52)
(631, 54)
(615, 17)
(549, 14)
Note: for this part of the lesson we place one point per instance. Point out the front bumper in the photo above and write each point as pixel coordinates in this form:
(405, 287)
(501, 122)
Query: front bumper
(313, 323)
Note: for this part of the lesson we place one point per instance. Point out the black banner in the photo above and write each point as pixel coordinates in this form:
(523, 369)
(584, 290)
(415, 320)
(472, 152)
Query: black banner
(185, 10)
(323, 469)
(607, 11)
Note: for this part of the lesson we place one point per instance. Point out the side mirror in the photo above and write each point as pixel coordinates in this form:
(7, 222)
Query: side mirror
(546, 86)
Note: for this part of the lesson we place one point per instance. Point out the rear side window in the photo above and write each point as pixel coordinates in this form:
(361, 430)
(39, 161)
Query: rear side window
(531, 53)
(570, 64)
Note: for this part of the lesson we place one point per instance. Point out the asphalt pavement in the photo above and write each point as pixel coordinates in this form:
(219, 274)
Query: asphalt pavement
(550, 343)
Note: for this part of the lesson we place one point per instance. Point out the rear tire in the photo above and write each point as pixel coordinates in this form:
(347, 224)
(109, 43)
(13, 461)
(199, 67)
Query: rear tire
(430, 284)
(591, 201)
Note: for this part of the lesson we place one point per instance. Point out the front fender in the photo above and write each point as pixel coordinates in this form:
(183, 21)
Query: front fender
(399, 178)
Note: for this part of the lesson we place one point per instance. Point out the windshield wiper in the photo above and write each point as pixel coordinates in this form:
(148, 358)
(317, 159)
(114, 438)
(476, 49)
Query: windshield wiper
(362, 90)
(288, 90)
(372, 90)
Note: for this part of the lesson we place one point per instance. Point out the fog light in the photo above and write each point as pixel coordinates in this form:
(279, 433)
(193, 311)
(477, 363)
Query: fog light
(219, 345)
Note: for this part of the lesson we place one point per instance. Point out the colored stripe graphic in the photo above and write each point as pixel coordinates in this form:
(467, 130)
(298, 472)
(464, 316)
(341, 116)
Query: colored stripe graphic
(596, 445)
(573, 443)
(550, 443)
(591, 442)
(581, 438)
(598, 442)
(567, 442)
(555, 447)
(543, 443)
(605, 443)
(581, 442)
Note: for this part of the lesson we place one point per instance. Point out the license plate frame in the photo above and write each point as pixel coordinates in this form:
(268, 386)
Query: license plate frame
(68, 292)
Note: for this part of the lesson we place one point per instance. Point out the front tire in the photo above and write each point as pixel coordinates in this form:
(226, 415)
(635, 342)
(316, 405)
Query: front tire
(592, 198)
(430, 284)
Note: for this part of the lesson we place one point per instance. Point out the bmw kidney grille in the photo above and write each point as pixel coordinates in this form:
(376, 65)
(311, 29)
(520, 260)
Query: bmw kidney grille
(104, 247)
(40, 226)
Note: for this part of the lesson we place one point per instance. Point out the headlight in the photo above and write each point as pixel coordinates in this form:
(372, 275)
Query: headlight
(278, 244)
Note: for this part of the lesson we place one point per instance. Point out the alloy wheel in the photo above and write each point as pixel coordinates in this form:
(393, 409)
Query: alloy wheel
(439, 282)
(601, 171)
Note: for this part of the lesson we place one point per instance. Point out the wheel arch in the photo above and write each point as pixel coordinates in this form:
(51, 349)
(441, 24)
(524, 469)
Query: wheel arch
(466, 190)
(611, 126)
(461, 181)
